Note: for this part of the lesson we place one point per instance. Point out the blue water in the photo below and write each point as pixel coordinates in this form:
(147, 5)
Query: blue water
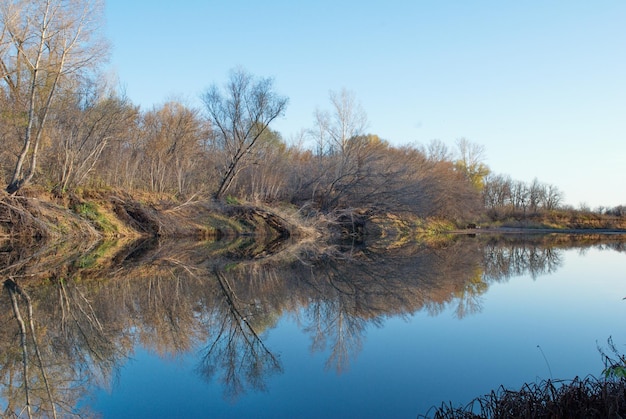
(526, 330)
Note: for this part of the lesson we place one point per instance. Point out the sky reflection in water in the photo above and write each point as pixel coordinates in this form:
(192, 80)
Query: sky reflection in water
(410, 363)
(385, 335)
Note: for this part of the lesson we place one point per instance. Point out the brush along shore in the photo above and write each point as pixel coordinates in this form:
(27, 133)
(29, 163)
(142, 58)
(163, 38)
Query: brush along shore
(94, 215)
(36, 215)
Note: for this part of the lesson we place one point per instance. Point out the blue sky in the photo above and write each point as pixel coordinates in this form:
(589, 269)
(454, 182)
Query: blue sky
(541, 85)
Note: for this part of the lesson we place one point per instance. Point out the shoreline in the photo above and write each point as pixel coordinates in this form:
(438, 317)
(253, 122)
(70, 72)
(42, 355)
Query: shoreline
(543, 230)
(95, 215)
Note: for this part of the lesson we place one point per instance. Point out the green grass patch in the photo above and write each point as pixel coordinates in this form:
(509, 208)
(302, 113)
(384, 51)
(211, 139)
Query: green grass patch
(89, 211)
(231, 200)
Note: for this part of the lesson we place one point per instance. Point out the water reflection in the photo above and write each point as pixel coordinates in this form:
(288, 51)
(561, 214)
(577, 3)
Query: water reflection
(235, 351)
(72, 318)
(515, 259)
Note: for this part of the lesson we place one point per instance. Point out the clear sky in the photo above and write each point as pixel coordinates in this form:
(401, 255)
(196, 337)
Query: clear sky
(540, 84)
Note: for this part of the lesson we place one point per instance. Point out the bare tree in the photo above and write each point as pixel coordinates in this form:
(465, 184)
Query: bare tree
(42, 43)
(470, 162)
(172, 137)
(437, 151)
(341, 147)
(82, 129)
(552, 198)
(497, 191)
(536, 194)
(121, 161)
(502, 195)
(266, 179)
(519, 195)
(347, 120)
(240, 115)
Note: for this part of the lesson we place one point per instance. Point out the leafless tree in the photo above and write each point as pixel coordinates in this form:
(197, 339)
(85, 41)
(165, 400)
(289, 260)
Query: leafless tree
(172, 136)
(437, 151)
(120, 162)
(536, 195)
(240, 114)
(519, 195)
(552, 198)
(81, 130)
(497, 191)
(266, 179)
(341, 147)
(43, 44)
(503, 196)
(470, 161)
(345, 121)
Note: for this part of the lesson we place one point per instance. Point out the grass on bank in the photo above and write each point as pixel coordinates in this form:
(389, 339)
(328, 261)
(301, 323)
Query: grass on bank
(561, 219)
(99, 219)
(582, 398)
(116, 213)
(579, 398)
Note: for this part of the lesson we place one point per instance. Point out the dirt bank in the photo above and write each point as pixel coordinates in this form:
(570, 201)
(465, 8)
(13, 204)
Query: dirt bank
(36, 215)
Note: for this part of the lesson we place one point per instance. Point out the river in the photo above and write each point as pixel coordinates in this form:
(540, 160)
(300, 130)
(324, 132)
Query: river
(227, 329)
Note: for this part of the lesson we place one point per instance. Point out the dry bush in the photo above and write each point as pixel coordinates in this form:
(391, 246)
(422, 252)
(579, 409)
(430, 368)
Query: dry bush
(580, 398)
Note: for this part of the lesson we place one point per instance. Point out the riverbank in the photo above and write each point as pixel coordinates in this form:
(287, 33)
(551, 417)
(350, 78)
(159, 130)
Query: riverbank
(108, 214)
(522, 230)
(162, 291)
(37, 215)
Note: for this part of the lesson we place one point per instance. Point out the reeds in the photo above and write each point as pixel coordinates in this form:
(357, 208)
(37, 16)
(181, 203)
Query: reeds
(589, 397)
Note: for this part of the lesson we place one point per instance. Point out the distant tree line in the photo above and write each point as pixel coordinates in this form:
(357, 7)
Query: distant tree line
(502, 194)
(618, 211)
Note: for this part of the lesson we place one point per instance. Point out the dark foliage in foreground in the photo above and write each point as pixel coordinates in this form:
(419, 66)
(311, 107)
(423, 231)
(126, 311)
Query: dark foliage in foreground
(579, 398)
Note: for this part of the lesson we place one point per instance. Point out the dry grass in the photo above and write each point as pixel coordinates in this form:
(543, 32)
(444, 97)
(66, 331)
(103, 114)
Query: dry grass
(29, 219)
(558, 219)
(580, 398)
(39, 215)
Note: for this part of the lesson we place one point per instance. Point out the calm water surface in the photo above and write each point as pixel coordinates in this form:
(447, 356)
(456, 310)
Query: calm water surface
(172, 332)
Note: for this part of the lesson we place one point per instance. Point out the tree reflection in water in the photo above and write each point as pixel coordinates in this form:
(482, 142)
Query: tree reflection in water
(235, 348)
(70, 320)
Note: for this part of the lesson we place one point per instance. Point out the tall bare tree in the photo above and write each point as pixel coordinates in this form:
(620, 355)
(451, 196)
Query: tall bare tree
(81, 130)
(240, 114)
(43, 43)
(348, 120)
(501, 194)
(334, 129)
(267, 178)
(341, 146)
(121, 161)
(172, 136)
(470, 162)
(437, 151)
